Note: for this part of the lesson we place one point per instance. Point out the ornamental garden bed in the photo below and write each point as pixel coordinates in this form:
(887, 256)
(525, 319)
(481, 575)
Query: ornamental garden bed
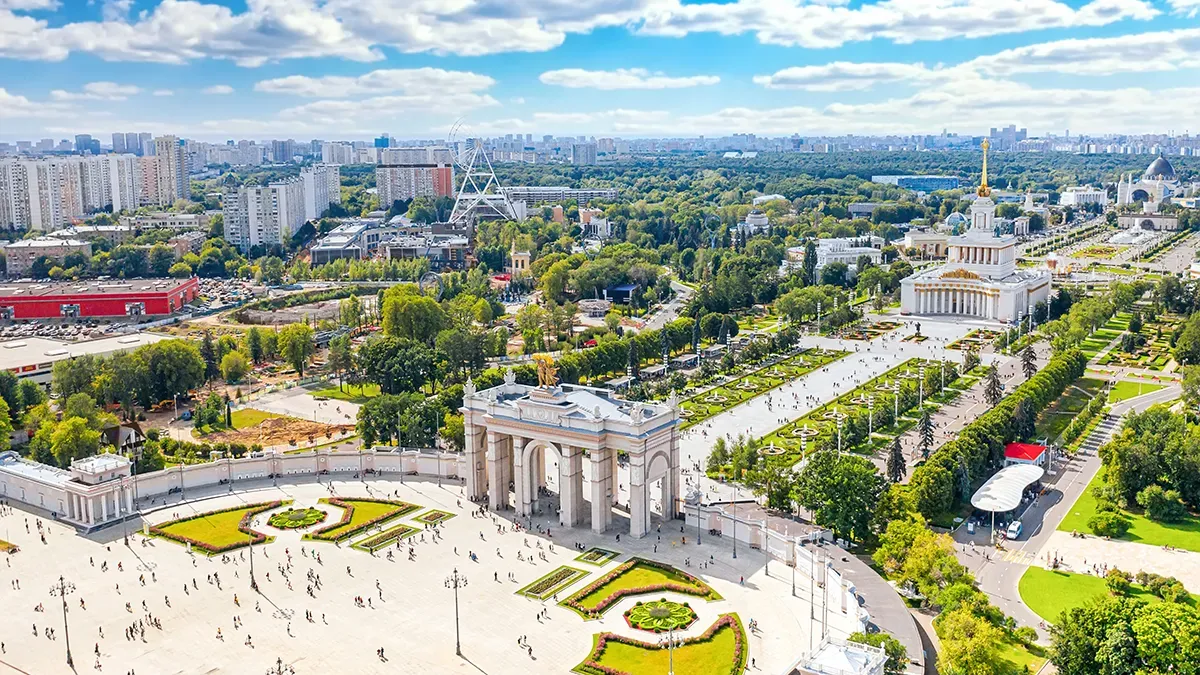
(871, 331)
(819, 427)
(756, 383)
(720, 650)
(358, 516)
(549, 584)
(296, 519)
(638, 576)
(596, 556)
(1099, 251)
(385, 538)
(660, 616)
(220, 531)
(434, 516)
(975, 340)
(915, 338)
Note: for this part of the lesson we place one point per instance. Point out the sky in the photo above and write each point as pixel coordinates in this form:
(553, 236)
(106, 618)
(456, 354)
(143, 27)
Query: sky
(352, 69)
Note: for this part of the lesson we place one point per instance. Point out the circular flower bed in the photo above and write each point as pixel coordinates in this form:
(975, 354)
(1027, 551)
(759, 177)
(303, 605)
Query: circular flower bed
(660, 616)
(295, 519)
(716, 398)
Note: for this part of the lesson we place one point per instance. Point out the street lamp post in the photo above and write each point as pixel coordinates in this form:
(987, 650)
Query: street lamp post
(456, 581)
(921, 387)
(839, 430)
(870, 416)
(62, 589)
(735, 524)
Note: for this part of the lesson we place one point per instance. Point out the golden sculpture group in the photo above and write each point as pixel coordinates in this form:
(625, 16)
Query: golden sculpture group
(546, 372)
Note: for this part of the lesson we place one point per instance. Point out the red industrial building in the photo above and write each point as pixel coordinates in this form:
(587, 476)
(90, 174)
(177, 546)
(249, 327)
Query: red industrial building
(95, 299)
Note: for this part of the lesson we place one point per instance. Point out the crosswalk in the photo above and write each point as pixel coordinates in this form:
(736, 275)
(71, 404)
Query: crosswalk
(1017, 557)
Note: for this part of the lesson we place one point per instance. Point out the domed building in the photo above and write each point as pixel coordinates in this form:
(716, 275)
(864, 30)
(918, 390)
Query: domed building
(1157, 185)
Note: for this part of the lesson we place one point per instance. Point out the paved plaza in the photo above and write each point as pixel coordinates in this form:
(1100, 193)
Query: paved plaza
(411, 614)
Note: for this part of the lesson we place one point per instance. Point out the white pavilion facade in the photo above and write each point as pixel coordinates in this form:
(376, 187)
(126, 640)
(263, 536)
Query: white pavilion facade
(980, 276)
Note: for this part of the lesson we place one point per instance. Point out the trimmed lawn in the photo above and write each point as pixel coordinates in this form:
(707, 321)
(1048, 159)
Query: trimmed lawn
(1018, 655)
(350, 393)
(638, 575)
(218, 530)
(1185, 535)
(596, 556)
(364, 511)
(250, 417)
(384, 539)
(1050, 592)
(548, 584)
(711, 657)
(1058, 416)
(1126, 390)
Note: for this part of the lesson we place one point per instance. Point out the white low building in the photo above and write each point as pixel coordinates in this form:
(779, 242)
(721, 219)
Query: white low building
(94, 492)
(980, 277)
(1079, 196)
(846, 251)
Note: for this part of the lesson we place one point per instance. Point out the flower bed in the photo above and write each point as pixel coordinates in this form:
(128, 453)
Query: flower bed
(219, 545)
(720, 650)
(435, 516)
(385, 538)
(296, 519)
(660, 616)
(596, 556)
(551, 583)
(348, 527)
(638, 576)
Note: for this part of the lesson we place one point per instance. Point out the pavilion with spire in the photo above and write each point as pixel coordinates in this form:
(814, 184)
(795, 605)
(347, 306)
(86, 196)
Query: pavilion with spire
(980, 277)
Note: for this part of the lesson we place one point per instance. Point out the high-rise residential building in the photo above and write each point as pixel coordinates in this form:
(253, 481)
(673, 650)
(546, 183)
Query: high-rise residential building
(337, 153)
(406, 173)
(146, 143)
(322, 188)
(146, 176)
(383, 141)
(118, 143)
(83, 143)
(263, 215)
(583, 154)
(172, 169)
(133, 143)
(48, 194)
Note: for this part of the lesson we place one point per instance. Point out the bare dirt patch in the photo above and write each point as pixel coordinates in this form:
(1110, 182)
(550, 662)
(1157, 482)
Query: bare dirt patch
(282, 431)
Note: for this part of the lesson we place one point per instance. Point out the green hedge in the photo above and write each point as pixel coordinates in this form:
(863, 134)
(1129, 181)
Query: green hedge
(937, 485)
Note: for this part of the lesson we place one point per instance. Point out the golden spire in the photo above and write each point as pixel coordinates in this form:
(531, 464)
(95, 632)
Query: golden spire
(984, 190)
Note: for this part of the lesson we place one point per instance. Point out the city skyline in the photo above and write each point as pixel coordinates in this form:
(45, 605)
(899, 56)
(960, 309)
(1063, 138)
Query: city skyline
(635, 68)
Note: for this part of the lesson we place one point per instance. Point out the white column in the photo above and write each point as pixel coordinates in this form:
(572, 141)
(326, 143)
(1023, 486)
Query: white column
(128, 500)
(103, 508)
(639, 510)
(476, 455)
(570, 485)
(601, 505)
(497, 457)
(522, 489)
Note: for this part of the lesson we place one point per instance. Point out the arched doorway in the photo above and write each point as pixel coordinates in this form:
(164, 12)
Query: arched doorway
(533, 480)
(1139, 195)
(1147, 224)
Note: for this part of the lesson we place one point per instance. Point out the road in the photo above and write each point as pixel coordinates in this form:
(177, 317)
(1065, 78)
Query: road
(670, 311)
(998, 572)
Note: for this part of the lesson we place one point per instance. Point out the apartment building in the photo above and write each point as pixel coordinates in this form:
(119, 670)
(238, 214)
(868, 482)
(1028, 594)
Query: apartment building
(263, 215)
(171, 171)
(322, 188)
(406, 173)
(20, 255)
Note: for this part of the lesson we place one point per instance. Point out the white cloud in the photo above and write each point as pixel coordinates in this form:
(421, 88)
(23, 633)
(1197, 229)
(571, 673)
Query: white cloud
(218, 90)
(622, 78)
(97, 91)
(177, 31)
(518, 100)
(384, 109)
(1141, 52)
(844, 76)
(164, 92)
(15, 106)
(1188, 8)
(412, 80)
(800, 23)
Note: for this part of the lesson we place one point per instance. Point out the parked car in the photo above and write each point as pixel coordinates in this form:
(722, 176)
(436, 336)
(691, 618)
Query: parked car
(1015, 529)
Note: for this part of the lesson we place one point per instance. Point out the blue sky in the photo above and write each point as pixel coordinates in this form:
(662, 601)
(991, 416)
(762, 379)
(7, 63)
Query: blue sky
(348, 69)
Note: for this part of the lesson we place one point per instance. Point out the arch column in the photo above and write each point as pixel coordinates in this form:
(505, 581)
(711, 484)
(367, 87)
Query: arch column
(570, 486)
(639, 499)
(601, 502)
(522, 480)
(499, 456)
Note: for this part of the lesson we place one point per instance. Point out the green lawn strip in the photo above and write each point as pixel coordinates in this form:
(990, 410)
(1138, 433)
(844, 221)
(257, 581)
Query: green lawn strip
(1059, 415)
(1051, 592)
(637, 576)
(549, 584)
(352, 393)
(359, 515)
(597, 556)
(1185, 534)
(720, 650)
(384, 539)
(433, 516)
(219, 531)
(1018, 656)
(703, 406)
(251, 417)
(1125, 390)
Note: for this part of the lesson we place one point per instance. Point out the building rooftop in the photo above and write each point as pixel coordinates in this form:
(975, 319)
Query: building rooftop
(1002, 492)
(49, 289)
(32, 351)
(13, 463)
(44, 242)
(1026, 451)
(100, 463)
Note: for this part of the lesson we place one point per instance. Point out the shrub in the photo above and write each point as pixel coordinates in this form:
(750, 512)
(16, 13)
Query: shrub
(1108, 524)
(1026, 634)
(1118, 582)
(1161, 505)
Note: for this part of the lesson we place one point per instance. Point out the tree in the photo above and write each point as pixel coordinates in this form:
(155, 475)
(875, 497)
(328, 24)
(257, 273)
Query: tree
(296, 345)
(234, 366)
(397, 365)
(340, 358)
(6, 426)
(992, 389)
(254, 344)
(897, 660)
(161, 259)
(180, 270)
(208, 352)
(1028, 361)
(461, 349)
(408, 314)
(633, 362)
(925, 432)
(273, 270)
(970, 644)
(71, 376)
(896, 468)
(10, 392)
(841, 491)
(350, 311)
(171, 368)
(73, 439)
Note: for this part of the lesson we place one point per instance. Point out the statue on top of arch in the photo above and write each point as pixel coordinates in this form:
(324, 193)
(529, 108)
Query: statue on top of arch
(546, 372)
